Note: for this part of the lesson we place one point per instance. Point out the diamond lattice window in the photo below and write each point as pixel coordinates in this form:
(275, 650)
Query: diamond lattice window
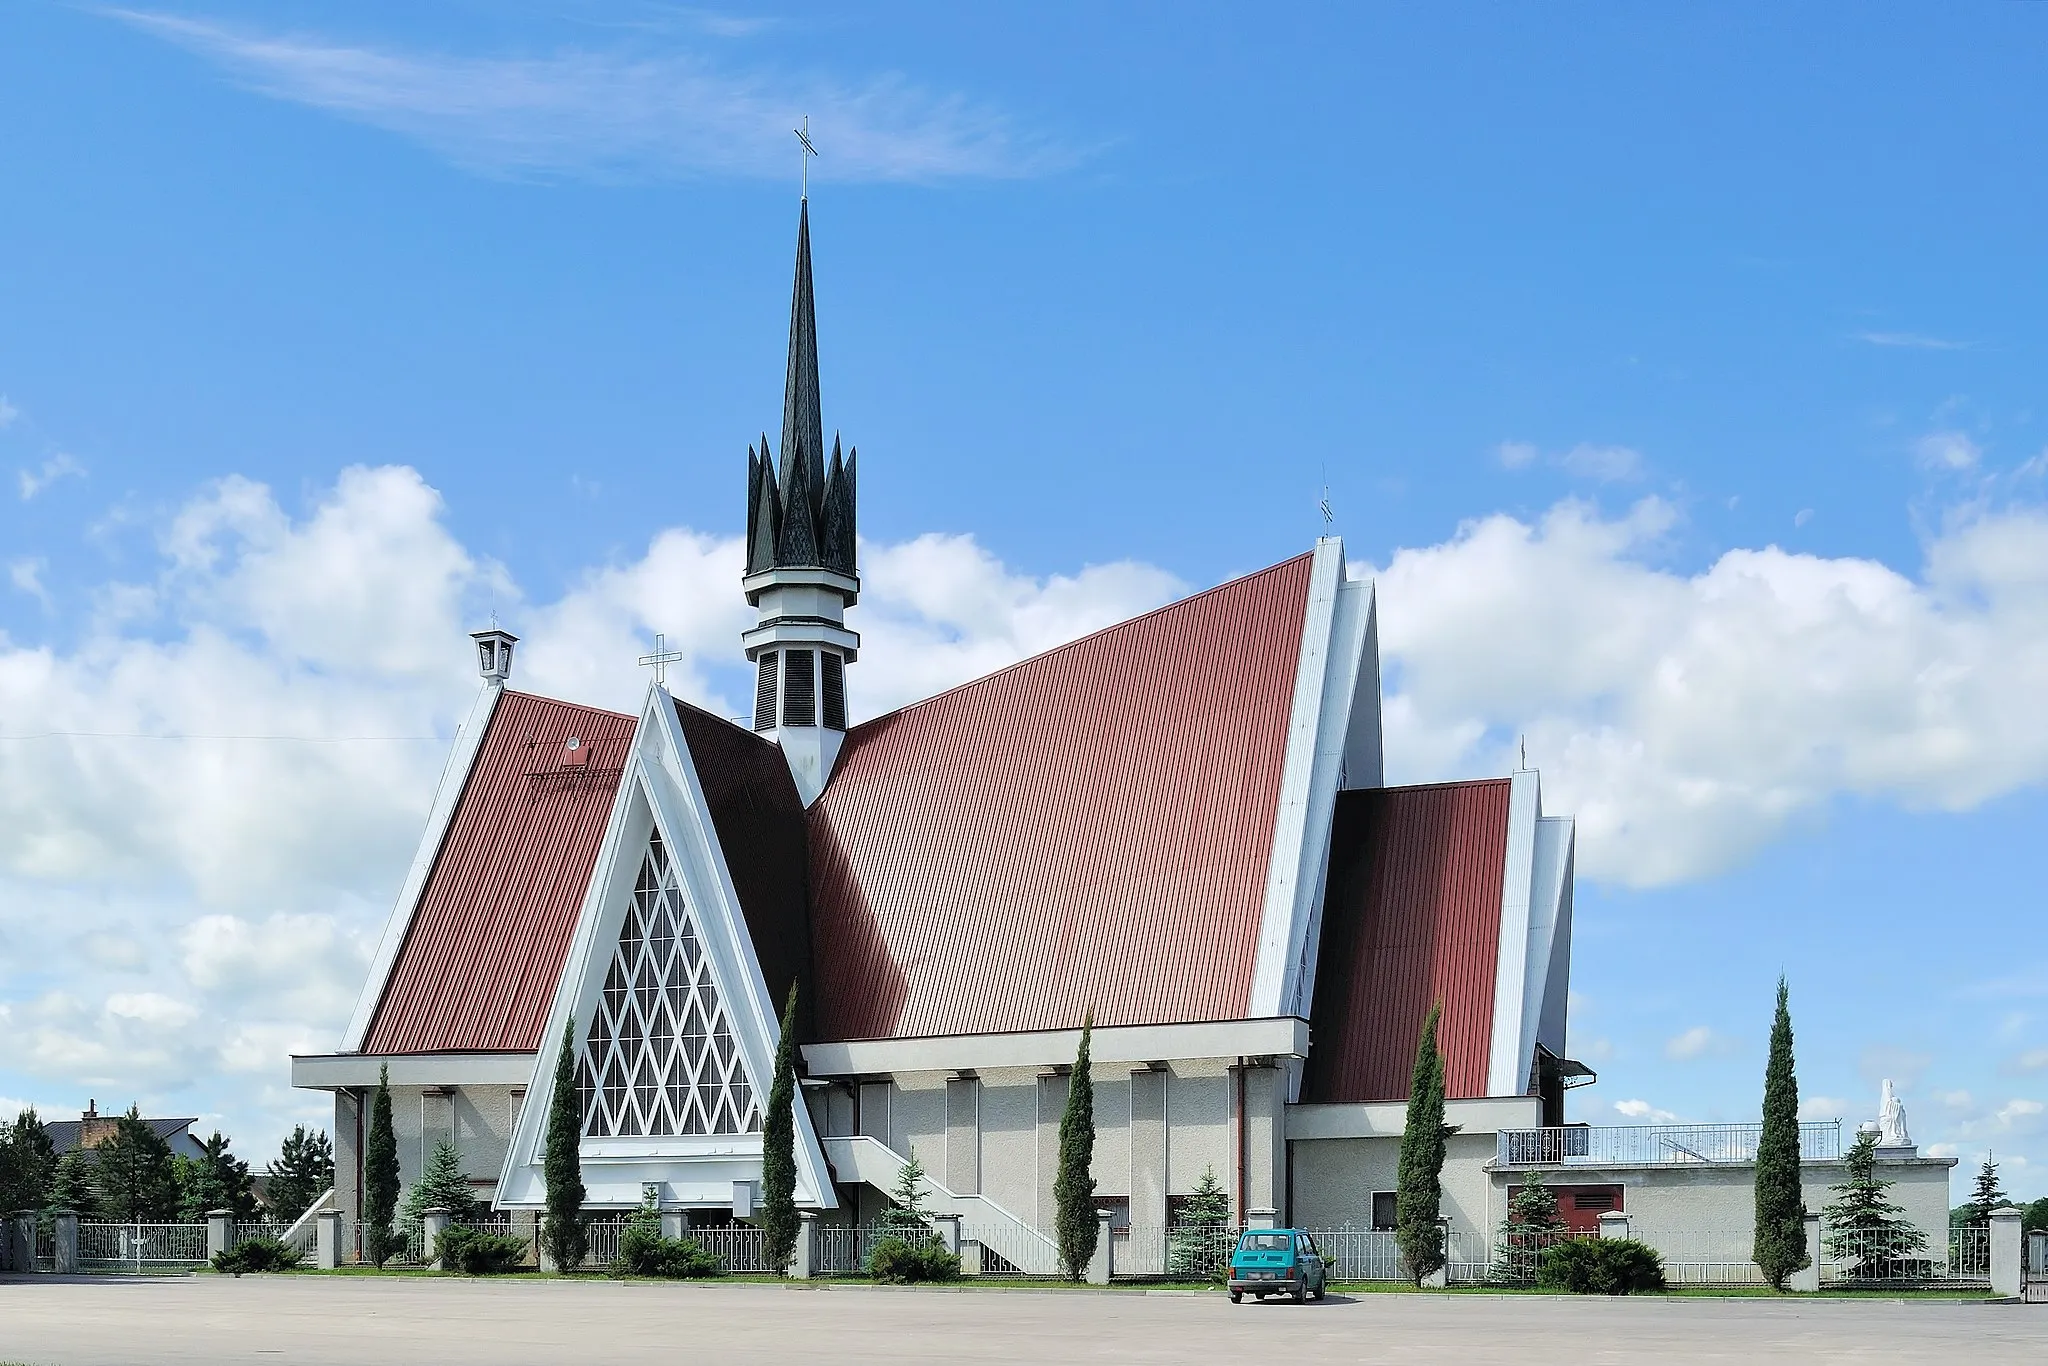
(662, 1058)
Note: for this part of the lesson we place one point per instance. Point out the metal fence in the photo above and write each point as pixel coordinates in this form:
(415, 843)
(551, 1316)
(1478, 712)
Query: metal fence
(1579, 1145)
(142, 1247)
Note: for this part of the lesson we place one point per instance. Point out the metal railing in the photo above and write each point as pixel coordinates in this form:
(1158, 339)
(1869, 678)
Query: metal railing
(1581, 1145)
(141, 1247)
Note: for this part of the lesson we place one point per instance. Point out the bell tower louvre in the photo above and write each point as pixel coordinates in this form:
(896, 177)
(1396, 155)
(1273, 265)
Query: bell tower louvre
(801, 573)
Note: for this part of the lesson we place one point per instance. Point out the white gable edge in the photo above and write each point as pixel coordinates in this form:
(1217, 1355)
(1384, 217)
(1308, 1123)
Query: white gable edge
(660, 789)
(1551, 1020)
(469, 739)
(1507, 1069)
(1338, 634)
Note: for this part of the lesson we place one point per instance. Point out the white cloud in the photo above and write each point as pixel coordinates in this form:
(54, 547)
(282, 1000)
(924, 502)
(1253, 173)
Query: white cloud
(2033, 1060)
(1911, 340)
(8, 412)
(1587, 460)
(1643, 1112)
(59, 466)
(1823, 1107)
(1696, 1042)
(27, 577)
(2017, 1109)
(1948, 451)
(1689, 719)
(623, 114)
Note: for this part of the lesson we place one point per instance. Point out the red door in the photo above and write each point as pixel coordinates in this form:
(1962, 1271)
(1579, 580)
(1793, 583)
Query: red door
(1582, 1206)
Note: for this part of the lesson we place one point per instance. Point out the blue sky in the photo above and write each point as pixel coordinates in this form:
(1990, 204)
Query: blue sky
(1680, 370)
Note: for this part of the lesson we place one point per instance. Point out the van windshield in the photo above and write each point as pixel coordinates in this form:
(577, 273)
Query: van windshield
(1266, 1242)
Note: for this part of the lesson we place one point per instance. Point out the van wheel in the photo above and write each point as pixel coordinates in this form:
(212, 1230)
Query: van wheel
(1237, 1297)
(1301, 1291)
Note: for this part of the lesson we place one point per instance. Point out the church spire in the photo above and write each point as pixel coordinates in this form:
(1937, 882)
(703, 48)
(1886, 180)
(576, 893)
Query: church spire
(803, 425)
(801, 573)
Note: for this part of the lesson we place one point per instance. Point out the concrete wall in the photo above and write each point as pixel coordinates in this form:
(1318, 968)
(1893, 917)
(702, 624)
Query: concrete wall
(478, 1120)
(1335, 1178)
(997, 1133)
(1681, 1197)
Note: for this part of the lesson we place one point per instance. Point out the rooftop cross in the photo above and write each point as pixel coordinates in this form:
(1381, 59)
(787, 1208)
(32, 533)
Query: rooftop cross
(803, 135)
(662, 658)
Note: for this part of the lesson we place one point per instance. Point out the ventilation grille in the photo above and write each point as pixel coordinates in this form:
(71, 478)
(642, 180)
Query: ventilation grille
(835, 690)
(800, 690)
(764, 694)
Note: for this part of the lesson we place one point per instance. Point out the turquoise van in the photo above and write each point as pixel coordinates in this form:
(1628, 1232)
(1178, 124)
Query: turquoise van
(1277, 1261)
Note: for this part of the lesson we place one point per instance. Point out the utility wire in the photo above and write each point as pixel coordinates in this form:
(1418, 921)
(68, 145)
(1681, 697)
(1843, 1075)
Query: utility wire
(281, 739)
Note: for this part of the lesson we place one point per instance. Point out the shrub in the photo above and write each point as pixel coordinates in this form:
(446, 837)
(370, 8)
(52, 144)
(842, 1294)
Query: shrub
(1602, 1266)
(256, 1254)
(644, 1252)
(475, 1252)
(898, 1261)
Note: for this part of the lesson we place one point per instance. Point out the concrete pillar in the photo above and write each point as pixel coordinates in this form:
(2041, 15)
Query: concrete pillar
(675, 1223)
(1262, 1218)
(1441, 1277)
(327, 1239)
(805, 1266)
(2007, 1278)
(434, 1223)
(1102, 1267)
(1614, 1224)
(963, 1135)
(947, 1226)
(220, 1232)
(18, 1242)
(1806, 1280)
(1148, 1149)
(64, 1231)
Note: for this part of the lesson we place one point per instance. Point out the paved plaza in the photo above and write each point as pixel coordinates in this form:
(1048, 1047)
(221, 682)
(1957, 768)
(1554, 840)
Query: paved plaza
(109, 1321)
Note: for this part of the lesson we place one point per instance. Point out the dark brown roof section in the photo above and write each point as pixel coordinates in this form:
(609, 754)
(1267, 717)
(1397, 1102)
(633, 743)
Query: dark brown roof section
(480, 961)
(1412, 916)
(760, 824)
(1089, 829)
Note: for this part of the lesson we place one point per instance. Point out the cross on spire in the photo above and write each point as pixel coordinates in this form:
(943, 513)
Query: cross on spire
(662, 658)
(803, 135)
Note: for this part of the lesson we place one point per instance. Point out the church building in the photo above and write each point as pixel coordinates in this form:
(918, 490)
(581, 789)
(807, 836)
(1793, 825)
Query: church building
(1178, 826)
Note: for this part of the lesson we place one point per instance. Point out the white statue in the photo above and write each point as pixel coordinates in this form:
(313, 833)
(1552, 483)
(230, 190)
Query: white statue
(1891, 1119)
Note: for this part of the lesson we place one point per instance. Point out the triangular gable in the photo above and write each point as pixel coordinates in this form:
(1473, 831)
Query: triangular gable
(650, 1016)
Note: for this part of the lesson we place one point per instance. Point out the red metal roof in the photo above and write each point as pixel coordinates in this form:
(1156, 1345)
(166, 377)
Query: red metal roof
(1412, 916)
(1089, 828)
(481, 959)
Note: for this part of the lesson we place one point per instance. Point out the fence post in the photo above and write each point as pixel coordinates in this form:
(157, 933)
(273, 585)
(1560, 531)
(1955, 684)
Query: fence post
(22, 1233)
(1100, 1269)
(327, 1239)
(433, 1223)
(1614, 1224)
(1806, 1280)
(805, 1265)
(1263, 1218)
(675, 1223)
(220, 1232)
(2006, 1277)
(947, 1226)
(1441, 1277)
(64, 1226)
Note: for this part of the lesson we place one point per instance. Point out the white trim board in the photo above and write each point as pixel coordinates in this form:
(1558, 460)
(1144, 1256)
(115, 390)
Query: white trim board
(447, 796)
(1285, 1036)
(343, 1071)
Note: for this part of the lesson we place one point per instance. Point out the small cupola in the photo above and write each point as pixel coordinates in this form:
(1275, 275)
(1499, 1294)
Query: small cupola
(494, 653)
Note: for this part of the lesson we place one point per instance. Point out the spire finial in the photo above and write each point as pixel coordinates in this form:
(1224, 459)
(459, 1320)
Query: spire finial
(803, 135)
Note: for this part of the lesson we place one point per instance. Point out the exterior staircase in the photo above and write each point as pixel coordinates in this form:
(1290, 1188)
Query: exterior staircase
(1016, 1241)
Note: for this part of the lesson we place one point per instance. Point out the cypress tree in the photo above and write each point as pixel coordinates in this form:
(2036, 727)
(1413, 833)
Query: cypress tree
(564, 1235)
(778, 1146)
(1779, 1245)
(1073, 1190)
(1418, 1201)
(380, 1175)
